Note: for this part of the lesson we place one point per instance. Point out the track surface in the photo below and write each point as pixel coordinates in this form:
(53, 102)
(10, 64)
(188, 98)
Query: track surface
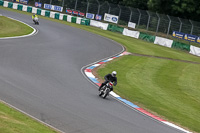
(41, 75)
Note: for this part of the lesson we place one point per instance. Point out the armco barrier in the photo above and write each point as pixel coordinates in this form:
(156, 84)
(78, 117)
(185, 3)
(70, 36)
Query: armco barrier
(78, 20)
(115, 28)
(29, 9)
(110, 27)
(10, 5)
(134, 34)
(20, 7)
(65, 17)
(73, 20)
(39, 11)
(181, 46)
(1, 3)
(57, 15)
(5, 4)
(14, 5)
(69, 18)
(98, 24)
(163, 42)
(147, 37)
(47, 13)
(194, 50)
(52, 14)
(43, 12)
(85, 21)
(24, 8)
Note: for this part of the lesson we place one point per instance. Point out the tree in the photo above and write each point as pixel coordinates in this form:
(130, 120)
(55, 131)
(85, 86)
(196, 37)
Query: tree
(188, 9)
(141, 4)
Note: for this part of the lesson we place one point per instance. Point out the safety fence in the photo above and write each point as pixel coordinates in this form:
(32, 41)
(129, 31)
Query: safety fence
(146, 20)
(105, 26)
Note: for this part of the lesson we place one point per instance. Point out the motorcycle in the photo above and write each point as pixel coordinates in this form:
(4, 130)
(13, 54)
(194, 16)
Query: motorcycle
(105, 90)
(36, 20)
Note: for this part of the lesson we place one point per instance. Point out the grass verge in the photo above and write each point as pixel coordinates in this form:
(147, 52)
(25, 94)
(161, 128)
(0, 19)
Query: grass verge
(168, 88)
(11, 28)
(12, 121)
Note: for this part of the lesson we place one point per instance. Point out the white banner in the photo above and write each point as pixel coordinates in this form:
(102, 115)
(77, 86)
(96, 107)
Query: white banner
(163, 42)
(61, 16)
(34, 10)
(69, 18)
(131, 25)
(24, 8)
(5, 4)
(111, 18)
(53, 7)
(98, 24)
(90, 15)
(52, 14)
(15, 5)
(78, 20)
(43, 12)
(194, 50)
(131, 33)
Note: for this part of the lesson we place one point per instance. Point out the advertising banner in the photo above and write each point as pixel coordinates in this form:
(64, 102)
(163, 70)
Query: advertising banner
(187, 37)
(190, 38)
(53, 7)
(178, 35)
(111, 18)
(81, 14)
(131, 25)
(90, 15)
(38, 4)
(98, 17)
(22, 1)
(68, 10)
(198, 40)
(75, 12)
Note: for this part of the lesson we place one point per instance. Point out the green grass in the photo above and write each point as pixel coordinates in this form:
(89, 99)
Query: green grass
(168, 88)
(12, 121)
(11, 28)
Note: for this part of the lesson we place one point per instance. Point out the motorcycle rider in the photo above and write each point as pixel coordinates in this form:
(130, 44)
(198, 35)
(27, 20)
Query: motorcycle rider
(110, 77)
(34, 16)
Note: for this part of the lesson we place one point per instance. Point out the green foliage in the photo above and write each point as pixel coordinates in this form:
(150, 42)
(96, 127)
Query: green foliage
(142, 4)
(189, 9)
(121, 22)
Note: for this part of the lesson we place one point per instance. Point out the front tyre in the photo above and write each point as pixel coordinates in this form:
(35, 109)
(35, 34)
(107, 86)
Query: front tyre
(100, 93)
(104, 96)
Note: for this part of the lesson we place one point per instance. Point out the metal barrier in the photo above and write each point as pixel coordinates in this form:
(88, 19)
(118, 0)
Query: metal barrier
(145, 20)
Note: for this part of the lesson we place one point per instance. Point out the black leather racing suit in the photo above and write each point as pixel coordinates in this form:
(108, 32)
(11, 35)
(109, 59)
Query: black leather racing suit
(108, 78)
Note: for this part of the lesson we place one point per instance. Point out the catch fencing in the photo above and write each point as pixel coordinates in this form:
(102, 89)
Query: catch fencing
(145, 20)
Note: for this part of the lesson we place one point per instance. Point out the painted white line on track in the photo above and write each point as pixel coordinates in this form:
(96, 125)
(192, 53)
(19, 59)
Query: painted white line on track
(31, 34)
(114, 95)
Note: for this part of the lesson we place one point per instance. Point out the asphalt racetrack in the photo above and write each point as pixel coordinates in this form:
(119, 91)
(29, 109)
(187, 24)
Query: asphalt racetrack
(41, 75)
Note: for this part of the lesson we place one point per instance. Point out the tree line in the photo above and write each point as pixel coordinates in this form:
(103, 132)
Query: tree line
(188, 9)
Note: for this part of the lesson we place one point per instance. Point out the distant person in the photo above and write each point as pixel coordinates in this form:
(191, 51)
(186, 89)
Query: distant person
(35, 18)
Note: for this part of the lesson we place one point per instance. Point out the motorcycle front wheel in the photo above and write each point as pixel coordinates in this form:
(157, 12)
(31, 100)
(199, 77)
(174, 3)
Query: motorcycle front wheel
(100, 93)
